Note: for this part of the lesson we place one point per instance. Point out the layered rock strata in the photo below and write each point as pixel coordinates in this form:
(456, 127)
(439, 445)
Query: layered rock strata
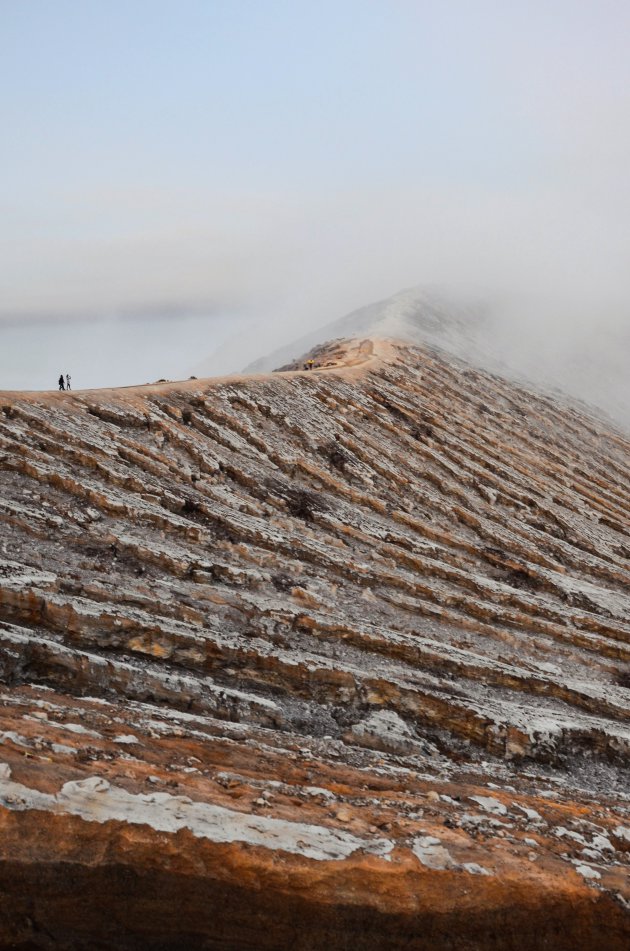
(336, 659)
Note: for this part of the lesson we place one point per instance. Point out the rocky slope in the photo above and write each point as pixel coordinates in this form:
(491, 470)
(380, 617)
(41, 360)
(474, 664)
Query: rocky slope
(526, 340)
(319, 659)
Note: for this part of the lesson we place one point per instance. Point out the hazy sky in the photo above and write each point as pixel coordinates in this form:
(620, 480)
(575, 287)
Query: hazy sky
(186, 168)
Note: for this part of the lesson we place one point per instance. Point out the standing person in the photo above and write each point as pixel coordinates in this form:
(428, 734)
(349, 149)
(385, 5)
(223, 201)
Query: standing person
(67, 381)
(61, 386)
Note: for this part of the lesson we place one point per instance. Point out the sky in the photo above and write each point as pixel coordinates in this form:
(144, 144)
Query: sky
(175, 175)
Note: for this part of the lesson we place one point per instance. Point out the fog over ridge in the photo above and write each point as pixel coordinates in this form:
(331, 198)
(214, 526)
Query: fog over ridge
(175, 179)
(487, 331)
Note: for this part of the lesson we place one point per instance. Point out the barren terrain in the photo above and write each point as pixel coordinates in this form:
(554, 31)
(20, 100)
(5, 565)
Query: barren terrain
(335, 658)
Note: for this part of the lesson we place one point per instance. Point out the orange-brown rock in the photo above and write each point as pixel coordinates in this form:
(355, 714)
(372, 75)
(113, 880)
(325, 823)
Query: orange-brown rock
(326, 659)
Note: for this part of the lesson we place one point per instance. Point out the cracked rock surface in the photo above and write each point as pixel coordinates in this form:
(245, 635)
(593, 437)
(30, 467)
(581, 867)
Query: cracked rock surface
(336, 658)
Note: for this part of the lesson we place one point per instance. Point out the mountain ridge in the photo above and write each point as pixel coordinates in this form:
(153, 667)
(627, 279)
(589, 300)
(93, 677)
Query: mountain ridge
(427, 315)
(490, 332)
(319, 657)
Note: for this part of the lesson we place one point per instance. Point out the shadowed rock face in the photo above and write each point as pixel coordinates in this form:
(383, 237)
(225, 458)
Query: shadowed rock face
(326, 659)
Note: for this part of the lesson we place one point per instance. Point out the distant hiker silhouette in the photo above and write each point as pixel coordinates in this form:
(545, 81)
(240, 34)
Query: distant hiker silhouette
(61, 386)
(67, 381)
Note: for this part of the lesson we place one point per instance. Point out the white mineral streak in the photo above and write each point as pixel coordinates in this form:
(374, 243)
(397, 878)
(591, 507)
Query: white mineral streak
(96, 800)
(16, 575)
(587, 872)
(563, 833)
(77, 728)
(489, 804)
(62, 748)
(602, 843)
(615, 602)
(384, 729)
(317, 791)
(12, 737)
(531, 814)
(475, 869)
(430, 853)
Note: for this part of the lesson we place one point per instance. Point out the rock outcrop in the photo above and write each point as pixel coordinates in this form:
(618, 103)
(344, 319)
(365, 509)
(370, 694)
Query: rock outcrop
(332, 659)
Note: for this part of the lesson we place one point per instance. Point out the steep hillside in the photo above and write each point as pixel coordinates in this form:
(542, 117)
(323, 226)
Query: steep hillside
(332, 659)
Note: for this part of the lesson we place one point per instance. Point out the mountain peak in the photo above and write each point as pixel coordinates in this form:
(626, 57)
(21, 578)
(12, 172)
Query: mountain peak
(427, 315)
(553, 353)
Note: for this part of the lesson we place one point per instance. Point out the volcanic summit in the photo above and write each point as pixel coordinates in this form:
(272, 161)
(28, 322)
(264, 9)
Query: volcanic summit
(332, 658)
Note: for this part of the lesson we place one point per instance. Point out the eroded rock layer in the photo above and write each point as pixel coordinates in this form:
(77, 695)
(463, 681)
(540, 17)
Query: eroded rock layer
(337, 658)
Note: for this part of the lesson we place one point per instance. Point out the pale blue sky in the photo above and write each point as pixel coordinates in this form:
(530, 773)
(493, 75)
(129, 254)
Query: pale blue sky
(274, 164)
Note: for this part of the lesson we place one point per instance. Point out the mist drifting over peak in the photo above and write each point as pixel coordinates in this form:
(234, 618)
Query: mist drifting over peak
(277, 165)
(522, 340)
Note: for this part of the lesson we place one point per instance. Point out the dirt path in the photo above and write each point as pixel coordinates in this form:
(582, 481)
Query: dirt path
(353, 358)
